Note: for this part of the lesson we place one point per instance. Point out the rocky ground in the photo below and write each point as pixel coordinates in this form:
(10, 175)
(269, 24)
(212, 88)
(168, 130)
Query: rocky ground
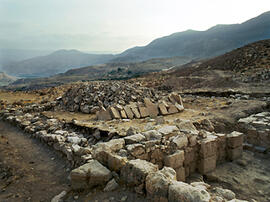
(112, 152)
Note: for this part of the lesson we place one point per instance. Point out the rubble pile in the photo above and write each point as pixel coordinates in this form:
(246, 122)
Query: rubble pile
(257, 130)
(90, 97)
(120, 100)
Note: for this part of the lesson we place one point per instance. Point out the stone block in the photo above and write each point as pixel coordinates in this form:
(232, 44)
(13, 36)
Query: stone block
(172, 109)
(135, 172)
(143, 112)
(103, 115)
(208, 147)
(207, 164)
(116, 162)
(79, 177)
(190, 155)
(175, 160)
(180, 141)
(128, 111)
(179, 107)
(235, 139)
(134, 138)
(123, 114)
(136, 112)
(235, 153)
(162, 109)
(180, 174)
(98, 174)
(151, 108)
(114, 113)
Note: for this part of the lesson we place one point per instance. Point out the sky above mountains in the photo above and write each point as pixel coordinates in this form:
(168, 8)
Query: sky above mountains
(112, 25)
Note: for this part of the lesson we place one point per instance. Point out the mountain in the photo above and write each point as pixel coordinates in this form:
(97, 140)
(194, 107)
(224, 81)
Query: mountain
(6, 79)
(202, 44)
(57, 62)
(8, 56)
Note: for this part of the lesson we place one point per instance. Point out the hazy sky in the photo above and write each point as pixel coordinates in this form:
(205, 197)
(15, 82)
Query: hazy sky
(112, 25)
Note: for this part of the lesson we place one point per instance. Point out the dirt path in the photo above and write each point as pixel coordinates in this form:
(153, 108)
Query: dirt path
(29, 171)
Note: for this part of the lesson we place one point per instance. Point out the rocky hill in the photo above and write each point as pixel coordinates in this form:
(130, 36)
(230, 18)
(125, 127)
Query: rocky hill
(57, 62)
(248, 66)
(203, 44)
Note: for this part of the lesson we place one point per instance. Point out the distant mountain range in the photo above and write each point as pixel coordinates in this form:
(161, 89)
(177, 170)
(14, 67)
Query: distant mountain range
(190, 44)
(57, 62)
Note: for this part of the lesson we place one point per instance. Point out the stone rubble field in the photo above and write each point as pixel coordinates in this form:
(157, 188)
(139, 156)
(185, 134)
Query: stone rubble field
(156, 160)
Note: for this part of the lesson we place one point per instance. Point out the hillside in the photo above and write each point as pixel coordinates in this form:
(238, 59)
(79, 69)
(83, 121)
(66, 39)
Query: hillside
(202, 44)
(6, 79)
(57, 62)
(246, 67)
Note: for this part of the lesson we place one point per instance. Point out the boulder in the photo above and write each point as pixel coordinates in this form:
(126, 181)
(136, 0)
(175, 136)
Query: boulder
(134, 139)
(182, 192)
(157, 185)
(123, 114)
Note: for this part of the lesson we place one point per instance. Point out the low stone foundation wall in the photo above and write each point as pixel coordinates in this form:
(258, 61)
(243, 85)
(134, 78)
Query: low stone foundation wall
(256, 129)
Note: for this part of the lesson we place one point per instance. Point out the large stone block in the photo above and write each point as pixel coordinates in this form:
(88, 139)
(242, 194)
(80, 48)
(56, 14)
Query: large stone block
(190, 155)
(116, 162)
(208, 146)
(207, 164)
(235, 153)
(180, 173)
(136, 112)
(235, 139)
(162, 109)
(175, 160)
(114, 113)
(143, 111)
(128, 111)
(135, 171)
(79, 177)
(123, 114)
(151, 107)
(172, 109)
(89, 175)
(103, 115)
(98, 174)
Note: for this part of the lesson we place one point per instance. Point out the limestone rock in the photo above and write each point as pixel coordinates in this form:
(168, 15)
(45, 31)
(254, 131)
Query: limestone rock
(134, 138)
(135, 171)
(179, 192)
